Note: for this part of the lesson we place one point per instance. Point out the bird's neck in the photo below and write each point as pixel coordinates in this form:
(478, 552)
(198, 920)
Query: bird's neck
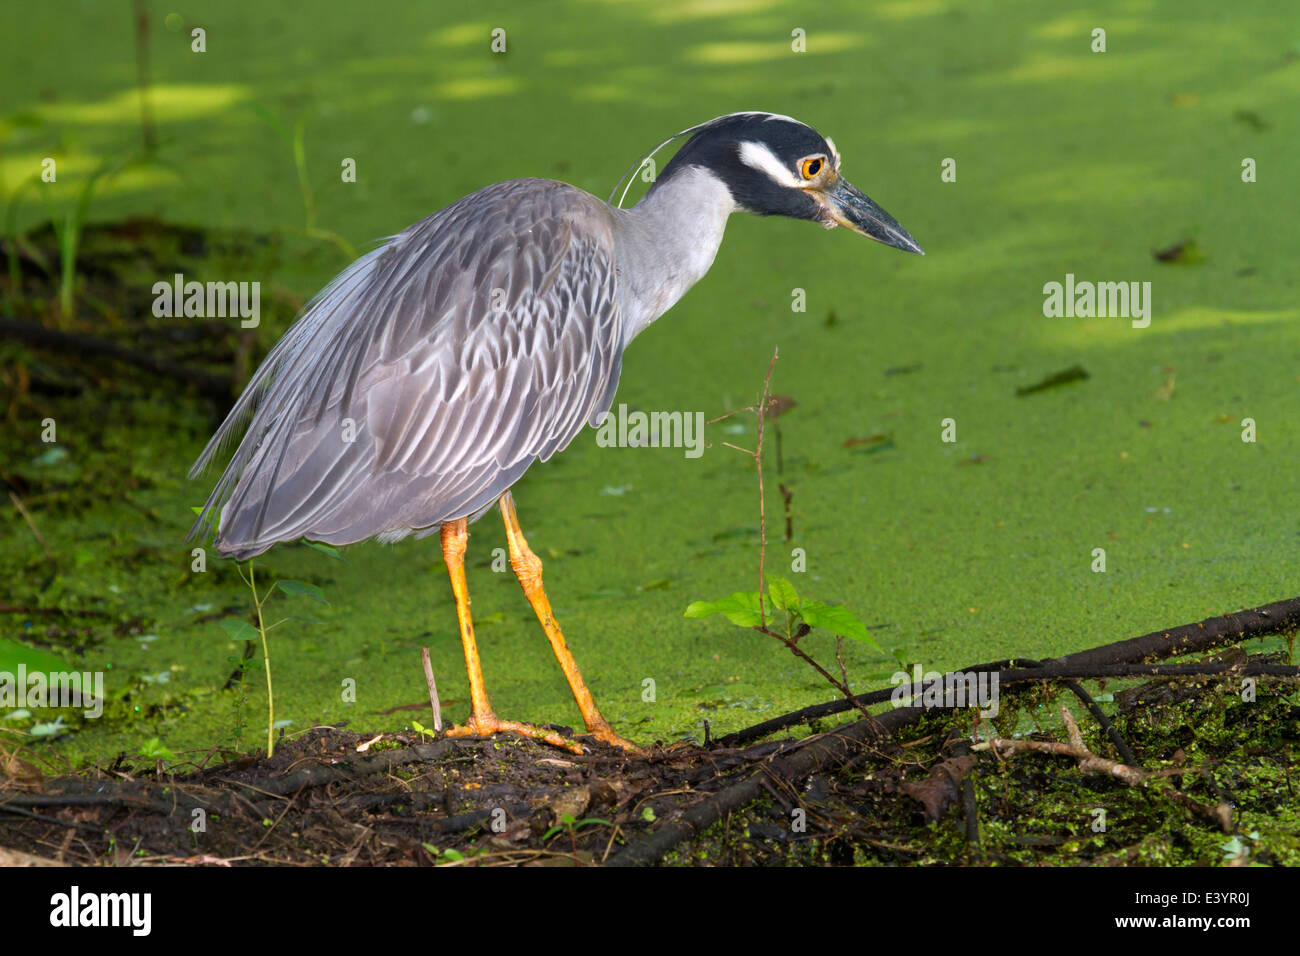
(666, 243)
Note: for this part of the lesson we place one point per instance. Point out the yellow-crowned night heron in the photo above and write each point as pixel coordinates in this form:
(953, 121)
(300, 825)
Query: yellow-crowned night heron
(422, 383)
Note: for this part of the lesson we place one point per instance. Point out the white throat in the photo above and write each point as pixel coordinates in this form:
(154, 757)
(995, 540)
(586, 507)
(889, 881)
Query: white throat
(666, 243)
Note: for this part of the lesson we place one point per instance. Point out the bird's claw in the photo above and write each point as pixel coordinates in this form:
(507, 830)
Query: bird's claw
(487, 726)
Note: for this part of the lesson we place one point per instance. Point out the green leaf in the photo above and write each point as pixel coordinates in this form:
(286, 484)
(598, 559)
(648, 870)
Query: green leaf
(325, 549)
(782, 593)
(836, 619)
(740, 608)
(12, 654)
(239, 630)
(302, 587)
(153, 749)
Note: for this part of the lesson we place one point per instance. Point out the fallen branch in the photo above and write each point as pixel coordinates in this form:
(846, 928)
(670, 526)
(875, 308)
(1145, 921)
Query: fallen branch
(1120, 659)
(208, 383)
(1089, 762)
(50, 611)
(829, 751)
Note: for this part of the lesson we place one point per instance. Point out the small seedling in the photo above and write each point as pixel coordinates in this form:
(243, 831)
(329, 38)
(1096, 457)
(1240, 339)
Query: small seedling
(296, 141)
(68, 226)
(241, 630)
(794, 616)
(568, 824)
(443, 857)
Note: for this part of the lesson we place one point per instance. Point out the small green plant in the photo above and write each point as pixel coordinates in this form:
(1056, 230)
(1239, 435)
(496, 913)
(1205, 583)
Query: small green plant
(296, 141)
(797, 616)
(568, 824)
(68, 228)
(449, 855)
(794, 616)
(154, 749)
(796, 619)
(241, 630)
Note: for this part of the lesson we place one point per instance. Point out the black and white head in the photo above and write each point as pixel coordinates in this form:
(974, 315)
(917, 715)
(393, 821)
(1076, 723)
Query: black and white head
(776, 166)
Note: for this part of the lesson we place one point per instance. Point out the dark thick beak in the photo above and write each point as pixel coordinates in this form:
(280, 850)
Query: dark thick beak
(847, 206)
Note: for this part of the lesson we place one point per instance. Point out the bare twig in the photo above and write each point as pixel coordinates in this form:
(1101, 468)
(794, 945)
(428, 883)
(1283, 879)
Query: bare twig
(793, 644)
(433, 690)
(143, 80)
(1088, 761)
(758, 465)
(22, 510)
(787, 497)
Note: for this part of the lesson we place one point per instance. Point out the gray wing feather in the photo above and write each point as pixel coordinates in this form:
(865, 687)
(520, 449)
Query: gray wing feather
(453, 389)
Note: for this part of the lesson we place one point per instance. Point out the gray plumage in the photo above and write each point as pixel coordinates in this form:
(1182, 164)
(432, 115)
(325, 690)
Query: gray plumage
(474, 343)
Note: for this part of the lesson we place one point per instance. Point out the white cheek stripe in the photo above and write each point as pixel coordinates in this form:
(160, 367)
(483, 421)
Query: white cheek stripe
(758, 156)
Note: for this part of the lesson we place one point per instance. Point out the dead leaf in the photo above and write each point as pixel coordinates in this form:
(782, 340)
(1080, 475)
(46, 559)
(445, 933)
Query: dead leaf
(573, 802)
(1075, 373)
(18, 774)
(778, 405)
(1184, 253)
(941, 788)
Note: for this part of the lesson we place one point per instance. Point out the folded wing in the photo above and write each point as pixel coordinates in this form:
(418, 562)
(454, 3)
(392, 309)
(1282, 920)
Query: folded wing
(425, 380)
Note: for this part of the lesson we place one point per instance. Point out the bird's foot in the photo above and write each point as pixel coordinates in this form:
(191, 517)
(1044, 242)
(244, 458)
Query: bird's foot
(605, 734)
(487, 726)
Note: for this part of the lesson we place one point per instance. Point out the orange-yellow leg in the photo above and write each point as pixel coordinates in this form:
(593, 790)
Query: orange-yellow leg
(482, 721)
(528, 569)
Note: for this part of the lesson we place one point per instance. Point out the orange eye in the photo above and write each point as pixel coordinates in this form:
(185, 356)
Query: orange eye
(811, 167)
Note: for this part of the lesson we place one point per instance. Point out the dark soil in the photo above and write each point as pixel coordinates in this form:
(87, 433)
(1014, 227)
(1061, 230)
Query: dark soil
(1227, 765)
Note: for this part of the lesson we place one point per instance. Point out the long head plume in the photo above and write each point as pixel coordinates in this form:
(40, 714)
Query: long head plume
(625, 181)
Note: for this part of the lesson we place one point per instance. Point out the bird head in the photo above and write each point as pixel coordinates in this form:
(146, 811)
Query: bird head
(776, 166)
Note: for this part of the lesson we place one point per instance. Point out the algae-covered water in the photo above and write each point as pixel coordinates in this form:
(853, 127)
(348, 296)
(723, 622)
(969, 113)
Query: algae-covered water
(1059, 161)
